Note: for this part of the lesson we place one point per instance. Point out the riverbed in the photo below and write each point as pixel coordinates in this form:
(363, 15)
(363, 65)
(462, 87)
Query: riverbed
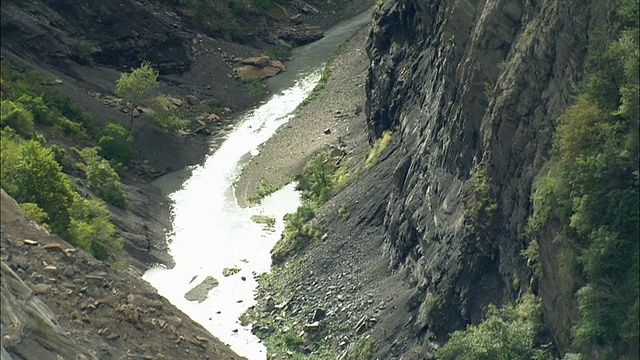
(211, 232)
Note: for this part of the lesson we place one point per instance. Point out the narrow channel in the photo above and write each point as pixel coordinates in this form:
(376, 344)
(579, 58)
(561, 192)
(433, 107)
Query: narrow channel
(211, 232)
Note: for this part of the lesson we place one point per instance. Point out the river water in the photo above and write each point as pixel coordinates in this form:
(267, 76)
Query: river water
(211, 231)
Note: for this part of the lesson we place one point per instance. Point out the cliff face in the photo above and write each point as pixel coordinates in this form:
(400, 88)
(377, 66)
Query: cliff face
(471, 90)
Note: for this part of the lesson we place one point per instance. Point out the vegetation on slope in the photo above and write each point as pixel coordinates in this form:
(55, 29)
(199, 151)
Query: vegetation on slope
(590, 187)
(32, 167)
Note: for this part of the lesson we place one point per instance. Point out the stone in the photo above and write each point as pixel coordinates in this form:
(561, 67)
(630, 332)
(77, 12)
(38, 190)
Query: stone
(327, 131)
(30, 242)
(192, 100)
(143, 301)
(40, 289)
(258, 61)
(314, 326)
(200, 292)
(69, 271)
(176, 101)
(318, 314)
(51, 269)
(302, 34)
(250, 72)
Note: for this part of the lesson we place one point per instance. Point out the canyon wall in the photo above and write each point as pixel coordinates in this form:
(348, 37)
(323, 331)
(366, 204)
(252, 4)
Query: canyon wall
(471, 90)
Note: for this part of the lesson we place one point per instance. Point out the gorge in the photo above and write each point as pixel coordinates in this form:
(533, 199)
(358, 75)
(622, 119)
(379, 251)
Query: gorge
(484, 174)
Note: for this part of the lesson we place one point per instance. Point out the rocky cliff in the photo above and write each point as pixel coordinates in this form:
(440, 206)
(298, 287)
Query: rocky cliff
(470, 90)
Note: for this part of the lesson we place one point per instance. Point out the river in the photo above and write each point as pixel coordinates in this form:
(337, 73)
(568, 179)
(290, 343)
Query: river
(211, 231)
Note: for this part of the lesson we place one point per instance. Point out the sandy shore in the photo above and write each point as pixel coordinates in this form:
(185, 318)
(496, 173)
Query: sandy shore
(339, 108)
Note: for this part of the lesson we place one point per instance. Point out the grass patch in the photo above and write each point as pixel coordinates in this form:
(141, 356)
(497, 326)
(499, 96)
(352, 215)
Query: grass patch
(265, 189)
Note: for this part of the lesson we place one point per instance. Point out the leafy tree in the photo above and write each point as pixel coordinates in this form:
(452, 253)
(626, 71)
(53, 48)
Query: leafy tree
(34, 176)
(116, 144)
(137, 87)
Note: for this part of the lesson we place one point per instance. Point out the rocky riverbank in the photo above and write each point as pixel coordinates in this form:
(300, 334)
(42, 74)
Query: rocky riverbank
(333, 121)
(327, 298)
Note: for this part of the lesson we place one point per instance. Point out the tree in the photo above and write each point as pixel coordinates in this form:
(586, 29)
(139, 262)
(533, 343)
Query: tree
(116, 144)
(37, 178)
(137, 87)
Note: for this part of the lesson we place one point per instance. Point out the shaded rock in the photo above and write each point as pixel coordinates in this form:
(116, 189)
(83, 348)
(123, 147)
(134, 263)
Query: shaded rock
(269, 305)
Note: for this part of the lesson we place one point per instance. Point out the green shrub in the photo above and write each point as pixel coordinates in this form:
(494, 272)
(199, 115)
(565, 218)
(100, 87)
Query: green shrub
(101, 178)
(589, 188)
(316, 179)
(116, 143)
(16, 116)
(297, 234)
(47, 104)
(162, 115)
(31, 175)
(508, 333)
(91, 229)
(35, 213)
(40, 110)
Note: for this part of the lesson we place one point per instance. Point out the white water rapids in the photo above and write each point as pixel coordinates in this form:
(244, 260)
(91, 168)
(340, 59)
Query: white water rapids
(212, 232)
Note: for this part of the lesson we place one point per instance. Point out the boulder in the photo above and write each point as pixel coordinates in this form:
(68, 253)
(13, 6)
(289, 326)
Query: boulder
(258, 61)
(201, 291)
(302, 34)
(250, 72)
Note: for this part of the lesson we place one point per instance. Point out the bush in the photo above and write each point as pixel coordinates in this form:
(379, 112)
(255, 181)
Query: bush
(316, 179)
(91, 229)
(40, 110)
(297, 234)
(16, 116)
(373, 157)
(31, 175)
(35, 213)
(508, 333)
(589, 187)
(101, 178)
(163, 116)
(116, 143)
